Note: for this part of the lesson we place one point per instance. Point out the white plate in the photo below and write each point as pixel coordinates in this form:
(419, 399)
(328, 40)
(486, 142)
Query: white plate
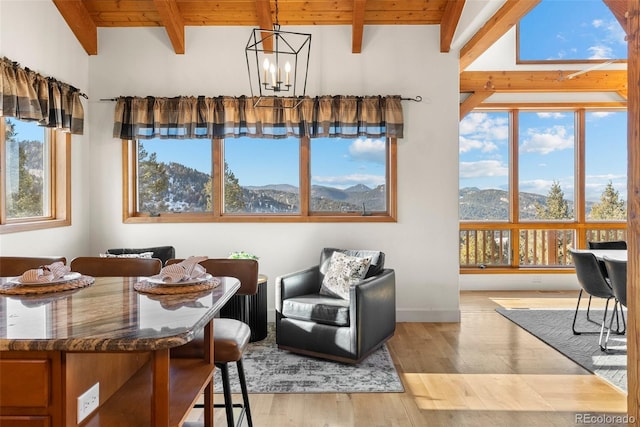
(158, 281)
(66, 278)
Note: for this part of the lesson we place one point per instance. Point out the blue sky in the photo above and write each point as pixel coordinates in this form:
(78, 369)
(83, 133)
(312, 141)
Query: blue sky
(573, 29)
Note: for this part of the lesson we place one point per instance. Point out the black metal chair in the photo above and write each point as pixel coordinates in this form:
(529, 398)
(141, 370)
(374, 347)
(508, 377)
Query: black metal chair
(618, 274)
(593, 282)
(609, 244)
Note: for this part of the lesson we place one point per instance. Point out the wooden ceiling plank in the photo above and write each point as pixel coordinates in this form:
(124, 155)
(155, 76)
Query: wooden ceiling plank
(449, 23)
(80, 22)
(473, 100)
(265, 21)
(173, 24)
(357, 25)
(619, 10)
(544, 81)
(503, 20)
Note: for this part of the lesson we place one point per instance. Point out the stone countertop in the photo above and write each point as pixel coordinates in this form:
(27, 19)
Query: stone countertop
(109, 315)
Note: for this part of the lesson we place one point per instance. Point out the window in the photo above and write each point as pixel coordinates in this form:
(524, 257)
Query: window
(35, 188)
(535, 183)
(570, 31)
(253, 179)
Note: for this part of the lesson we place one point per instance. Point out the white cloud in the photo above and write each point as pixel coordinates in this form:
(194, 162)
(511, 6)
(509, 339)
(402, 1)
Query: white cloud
(600, 52)
(542, 186)
(480, 131)
(482, 169)
(368, 150)
(597, 23)
(550, 115)
(553, 139)
(600, 114)
(346, 181)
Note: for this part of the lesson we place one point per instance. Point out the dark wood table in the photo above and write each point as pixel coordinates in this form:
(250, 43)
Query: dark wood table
(55, 346)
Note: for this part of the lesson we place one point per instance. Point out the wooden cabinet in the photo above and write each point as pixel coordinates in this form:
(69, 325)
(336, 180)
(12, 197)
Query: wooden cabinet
(30, 389)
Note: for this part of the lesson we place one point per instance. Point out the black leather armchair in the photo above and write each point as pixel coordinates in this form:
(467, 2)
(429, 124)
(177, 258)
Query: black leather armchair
(310, 323)
(163, 253)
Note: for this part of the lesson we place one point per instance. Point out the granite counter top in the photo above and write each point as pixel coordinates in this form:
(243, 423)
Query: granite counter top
(109, 315)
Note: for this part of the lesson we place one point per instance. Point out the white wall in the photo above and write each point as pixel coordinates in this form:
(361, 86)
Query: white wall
(34, 34)
(402, 60)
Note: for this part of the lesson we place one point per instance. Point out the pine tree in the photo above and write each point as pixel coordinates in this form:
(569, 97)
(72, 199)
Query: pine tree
(557, 207)
(153, 182)
(610, 206)
(233, 193)
(27, 201)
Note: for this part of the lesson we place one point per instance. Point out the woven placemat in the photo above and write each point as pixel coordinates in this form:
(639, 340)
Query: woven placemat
(12, 288)
(166, 289)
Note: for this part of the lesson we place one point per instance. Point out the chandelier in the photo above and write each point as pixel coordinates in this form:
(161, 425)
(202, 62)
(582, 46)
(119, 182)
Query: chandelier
(278, 64)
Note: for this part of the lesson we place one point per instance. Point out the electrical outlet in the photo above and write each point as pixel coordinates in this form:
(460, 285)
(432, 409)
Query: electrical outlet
(88, 401)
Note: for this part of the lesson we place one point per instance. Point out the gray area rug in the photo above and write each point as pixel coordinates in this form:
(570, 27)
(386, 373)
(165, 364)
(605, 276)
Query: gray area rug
(554, 328)
(270, 370)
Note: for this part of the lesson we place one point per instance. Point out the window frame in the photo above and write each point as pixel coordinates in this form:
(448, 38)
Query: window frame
(579, 225)
(131, 216)
(60, 185)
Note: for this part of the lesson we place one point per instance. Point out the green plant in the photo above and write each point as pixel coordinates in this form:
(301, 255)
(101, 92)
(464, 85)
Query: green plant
(242, 255)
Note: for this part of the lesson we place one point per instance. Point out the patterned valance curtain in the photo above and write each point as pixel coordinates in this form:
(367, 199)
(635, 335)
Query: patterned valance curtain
(233, 117)
(29, 96)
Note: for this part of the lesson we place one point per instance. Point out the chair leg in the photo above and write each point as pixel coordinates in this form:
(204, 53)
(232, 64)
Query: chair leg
(606, 341)
(245, 394)
(589, 308)
(573, 326)
(603, 346)
(226, 389)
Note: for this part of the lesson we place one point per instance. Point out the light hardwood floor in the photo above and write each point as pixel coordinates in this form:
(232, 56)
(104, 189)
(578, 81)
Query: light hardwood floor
(483, 371)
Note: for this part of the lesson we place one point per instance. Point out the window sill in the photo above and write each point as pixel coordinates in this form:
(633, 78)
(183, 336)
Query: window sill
(202, 218)
(33, 225)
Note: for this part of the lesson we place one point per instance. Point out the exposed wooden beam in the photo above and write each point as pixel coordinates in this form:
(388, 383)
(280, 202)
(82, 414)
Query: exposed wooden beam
(543, 81)
(503, 20)
(473, 101)
(633, 210)
(449, 23)
(619, 10)
(623, 93)
(265, 21)
(172, 21)
(545, 105)
(79, 20)
(357, 26)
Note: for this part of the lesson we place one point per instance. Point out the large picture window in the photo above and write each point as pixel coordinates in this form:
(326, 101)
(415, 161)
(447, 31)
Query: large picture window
(570, 31)
(535, 183)
(257, 179)
(35, 179)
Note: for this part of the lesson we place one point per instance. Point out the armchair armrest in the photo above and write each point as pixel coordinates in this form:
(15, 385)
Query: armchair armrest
(373, 306)
(298, 283)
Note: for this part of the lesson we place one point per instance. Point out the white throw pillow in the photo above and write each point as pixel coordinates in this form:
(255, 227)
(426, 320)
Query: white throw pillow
(140, 255)
(343, 271)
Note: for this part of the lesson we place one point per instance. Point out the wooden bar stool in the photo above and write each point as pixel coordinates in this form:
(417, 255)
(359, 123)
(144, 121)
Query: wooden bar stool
(230, 336)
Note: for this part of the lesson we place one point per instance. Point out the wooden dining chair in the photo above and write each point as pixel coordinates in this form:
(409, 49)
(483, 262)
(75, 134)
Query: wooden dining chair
(230, 336)
(16, 265)
(104, 267)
